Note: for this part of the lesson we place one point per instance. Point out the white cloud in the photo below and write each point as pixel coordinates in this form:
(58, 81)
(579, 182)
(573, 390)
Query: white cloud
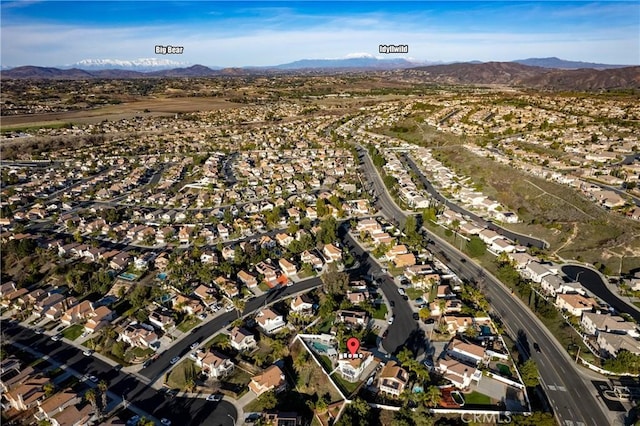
(56, 44)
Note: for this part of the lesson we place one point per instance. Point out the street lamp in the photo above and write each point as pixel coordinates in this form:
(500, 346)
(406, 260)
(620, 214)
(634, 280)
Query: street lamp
(577, 275)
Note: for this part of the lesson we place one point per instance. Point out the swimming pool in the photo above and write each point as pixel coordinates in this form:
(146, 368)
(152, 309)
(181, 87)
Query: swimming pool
(127, 276)
(320, 347)
(162, 276)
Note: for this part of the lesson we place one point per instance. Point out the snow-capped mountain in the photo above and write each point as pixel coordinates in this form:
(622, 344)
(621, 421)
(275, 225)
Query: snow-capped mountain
(142, 64)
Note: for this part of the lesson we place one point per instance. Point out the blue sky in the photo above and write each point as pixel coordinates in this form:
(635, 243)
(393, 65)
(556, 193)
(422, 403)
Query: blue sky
(237, 33)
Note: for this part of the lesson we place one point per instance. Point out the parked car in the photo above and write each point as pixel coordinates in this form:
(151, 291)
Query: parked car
(57, 337)
(401, 291)
(174, 360)
(165, 422)
(416, 316)
(214, 397)
(390, 321)
(194, 345)
(39, 330)
(133, 420)
(93, 379)
(203, 316)
(88, 352)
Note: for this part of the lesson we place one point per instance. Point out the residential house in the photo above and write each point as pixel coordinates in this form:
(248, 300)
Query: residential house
(611, 344)
(162, 320)
(301, 304)
(284, 239)
(396, 250)
(393, 379)
(283, 418)
(271, 379)
(311, 259)
(594, 322)
(139, 336)
(536, 271)
(100, 317)
(466, 352)
(352, 317)
(77, 313)
(55, 404)
(575, 304)
(270, 321)
(242, 339)
(209, 257)
(247, 279)
(332, 253)
(458, 373)
(227, 287)
(457, 324)
(287, 267)
(207, 294)
(357, 297)
(28, 393)
(351, 369)
(214, 364)
(403, 260)
(187, 304)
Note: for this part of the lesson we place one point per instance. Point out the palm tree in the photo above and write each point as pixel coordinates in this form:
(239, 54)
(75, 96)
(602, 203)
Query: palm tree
(224, 342)
(433, 396)
(301, 361)
(90, 396)
(103, 394)
(239, 304)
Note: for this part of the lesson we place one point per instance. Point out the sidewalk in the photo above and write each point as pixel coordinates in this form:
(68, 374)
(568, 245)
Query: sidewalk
(116, 400)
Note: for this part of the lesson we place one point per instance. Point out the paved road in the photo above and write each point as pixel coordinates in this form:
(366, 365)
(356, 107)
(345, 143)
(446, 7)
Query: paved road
(572, 400)
(522, 239)
(181, 411)
(592, 281)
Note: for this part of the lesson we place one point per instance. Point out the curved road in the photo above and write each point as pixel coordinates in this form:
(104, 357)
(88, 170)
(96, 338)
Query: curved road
(592, 281)
(573, 401)
(522, 239)
(197, 410)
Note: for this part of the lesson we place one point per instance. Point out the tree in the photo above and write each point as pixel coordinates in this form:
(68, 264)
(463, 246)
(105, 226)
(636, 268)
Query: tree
(529, 373)
(476, 247)
(433, 396)
(268, 400)
(300, 362)
(335, 282)
(49, 389)
(239, 304)
(624, 362)
(91, 396)
(103, 386)
(424, 313)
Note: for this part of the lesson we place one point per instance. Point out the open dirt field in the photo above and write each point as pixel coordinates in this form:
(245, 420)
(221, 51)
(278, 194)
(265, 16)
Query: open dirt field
(156, 107)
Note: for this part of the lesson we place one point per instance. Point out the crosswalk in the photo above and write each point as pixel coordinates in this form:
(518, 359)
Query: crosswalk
(572, 423)
(556, 388)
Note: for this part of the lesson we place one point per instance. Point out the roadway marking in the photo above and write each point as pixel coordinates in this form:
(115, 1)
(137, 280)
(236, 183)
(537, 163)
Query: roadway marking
(561, 388)
(568, 422)
(551, 387)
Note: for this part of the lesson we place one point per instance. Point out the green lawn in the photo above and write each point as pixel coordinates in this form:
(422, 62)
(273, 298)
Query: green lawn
(73, 332)
(381, 312)
(414, 293)
(263, 286)
(216, 340)
(477, 398)
(178, 377)
(188, 324)
(347, 387)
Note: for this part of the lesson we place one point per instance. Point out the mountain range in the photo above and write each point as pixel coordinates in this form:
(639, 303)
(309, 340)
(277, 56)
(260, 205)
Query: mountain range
(549, 73)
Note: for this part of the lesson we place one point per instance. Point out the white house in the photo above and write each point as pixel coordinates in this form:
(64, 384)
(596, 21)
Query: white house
(593, 323)
(352, 369)
(536, 271)
(610, 344)
(270, 321)
(575, 304)
(241, 339)
(466, 352)
(214, 364)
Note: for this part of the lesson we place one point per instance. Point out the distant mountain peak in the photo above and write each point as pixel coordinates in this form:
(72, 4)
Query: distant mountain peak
(554, 62)
(141, 64)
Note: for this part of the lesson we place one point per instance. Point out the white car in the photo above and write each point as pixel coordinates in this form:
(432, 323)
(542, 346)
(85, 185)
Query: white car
(194, 345)
(88, 352)
(174, 360)
(229, 308)
(391, 319)
(165, 422)
(214, 398)
(93, 379)
(402, 292)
